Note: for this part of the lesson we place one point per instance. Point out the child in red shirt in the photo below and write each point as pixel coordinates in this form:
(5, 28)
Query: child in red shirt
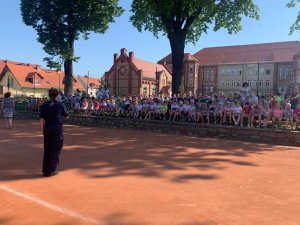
(247, 112)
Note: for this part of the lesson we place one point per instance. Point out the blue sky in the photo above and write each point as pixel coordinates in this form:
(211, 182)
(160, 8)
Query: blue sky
(18, 42)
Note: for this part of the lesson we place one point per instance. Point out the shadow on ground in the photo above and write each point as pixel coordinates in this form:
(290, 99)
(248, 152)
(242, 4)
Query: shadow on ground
(102, 153)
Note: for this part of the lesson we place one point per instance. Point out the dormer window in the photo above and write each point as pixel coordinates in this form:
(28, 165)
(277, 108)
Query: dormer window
(37, 81)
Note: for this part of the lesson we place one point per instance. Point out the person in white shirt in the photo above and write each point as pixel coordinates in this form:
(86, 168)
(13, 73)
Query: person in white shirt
(237, 110)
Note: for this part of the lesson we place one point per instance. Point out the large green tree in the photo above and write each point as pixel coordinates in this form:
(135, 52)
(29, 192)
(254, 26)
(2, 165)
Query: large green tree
(59, 23)
(295, 26)
(185, 21)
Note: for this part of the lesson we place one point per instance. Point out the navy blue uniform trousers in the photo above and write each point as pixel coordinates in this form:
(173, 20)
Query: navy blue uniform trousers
(53, 144)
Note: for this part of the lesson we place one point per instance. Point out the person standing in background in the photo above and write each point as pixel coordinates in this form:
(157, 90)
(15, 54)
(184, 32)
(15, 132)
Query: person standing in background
(295, 97)
(52, 114)
(7, 108)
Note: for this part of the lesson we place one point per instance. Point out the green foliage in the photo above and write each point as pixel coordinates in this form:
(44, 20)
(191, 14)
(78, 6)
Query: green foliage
(191, 17)
(59, 23)
(295, 26)
(105, 83)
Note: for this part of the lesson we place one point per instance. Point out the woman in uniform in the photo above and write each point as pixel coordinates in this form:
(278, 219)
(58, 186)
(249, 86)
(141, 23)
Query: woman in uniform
(52, 114)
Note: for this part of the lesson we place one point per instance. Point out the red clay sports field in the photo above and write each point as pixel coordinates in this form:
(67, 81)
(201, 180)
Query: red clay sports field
(120, 177)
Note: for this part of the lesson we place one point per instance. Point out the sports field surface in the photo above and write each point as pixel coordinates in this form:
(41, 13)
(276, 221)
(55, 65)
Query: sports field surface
(120, 177)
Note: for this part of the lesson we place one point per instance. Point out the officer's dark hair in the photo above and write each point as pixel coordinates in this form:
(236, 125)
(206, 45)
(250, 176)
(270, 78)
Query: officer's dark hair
(7, 94)
(53, 93)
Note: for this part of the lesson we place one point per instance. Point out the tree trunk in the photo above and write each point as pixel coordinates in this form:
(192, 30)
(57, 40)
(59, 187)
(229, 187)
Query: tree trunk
(177, 42)
(68, 66)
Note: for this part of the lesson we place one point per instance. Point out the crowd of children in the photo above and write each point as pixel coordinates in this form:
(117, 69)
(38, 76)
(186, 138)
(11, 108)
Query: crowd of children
(237, 110)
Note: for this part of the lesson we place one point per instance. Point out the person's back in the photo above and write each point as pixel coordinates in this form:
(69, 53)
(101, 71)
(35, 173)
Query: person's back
(8, 103)
(53, 113)
(51, 120)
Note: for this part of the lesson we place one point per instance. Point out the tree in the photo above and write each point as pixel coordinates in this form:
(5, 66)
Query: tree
(185, 21)
(295, 26)
(60, 23)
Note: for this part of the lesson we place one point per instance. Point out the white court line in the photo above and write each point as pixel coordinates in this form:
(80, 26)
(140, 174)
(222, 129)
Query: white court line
(48, 205)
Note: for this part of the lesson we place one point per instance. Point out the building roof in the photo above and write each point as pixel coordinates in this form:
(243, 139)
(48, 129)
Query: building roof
(149, 69)
(2, 65)
(91, 80)
(49, 78)
(168, 58)
(277, 52)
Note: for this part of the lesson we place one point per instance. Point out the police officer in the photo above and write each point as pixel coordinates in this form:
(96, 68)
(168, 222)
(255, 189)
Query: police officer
(52, 114)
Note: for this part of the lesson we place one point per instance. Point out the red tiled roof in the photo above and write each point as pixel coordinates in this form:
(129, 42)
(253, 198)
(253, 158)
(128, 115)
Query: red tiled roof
(149, 69)
(51, 77)
(2, 65)
(279, 51)
(168, 58)
(92, 80)
(165, 89)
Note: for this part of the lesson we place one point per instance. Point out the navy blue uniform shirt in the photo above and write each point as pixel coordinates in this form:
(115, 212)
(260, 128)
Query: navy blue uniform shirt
(53, 116)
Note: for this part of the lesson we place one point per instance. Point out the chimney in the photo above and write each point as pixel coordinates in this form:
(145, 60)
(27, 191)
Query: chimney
(116, 56)
(123, 51)
(131, 56)
(38, 67)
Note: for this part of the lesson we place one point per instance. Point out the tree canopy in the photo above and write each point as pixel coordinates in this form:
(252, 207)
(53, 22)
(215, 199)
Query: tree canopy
(186, 20)
(60, 23)
(296, 25)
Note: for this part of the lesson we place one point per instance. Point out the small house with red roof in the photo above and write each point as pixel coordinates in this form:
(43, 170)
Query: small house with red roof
(91, 84)
(132, 76)
(25, 79)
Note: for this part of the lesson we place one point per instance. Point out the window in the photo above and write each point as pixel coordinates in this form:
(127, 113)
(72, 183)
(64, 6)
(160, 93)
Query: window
(37, 81)
(206, 77)
(191, 69)
(250, 72)
(255, 83)
(211, 89)
(267, 83)
(298, 65)
(240, 72)
(238, 83)
(222, 72)
(249, 83)
(280, 71)
(298, 79)
(261, 83)
(232, 83)
(190, 82)
(268, 71)
(222, 83)
(212, 77)
(228, 83)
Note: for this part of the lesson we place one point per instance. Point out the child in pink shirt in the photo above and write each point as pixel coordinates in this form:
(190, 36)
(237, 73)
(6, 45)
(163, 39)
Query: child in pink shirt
(277, 115)
(297, 115)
